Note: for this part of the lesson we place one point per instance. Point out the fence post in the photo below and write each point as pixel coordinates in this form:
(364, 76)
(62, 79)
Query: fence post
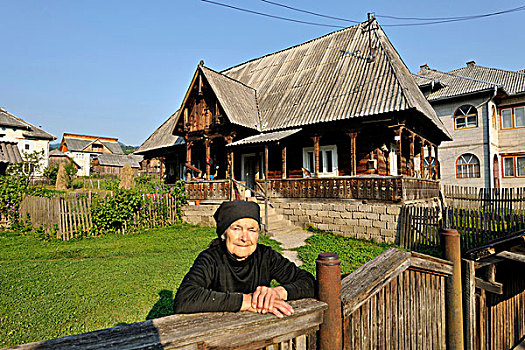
(453, 294)
(328, 268)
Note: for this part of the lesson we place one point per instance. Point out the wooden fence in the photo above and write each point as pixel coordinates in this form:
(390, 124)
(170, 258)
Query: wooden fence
(500, 200)
(244, 330)
(70, 216)
(419, 226)
(396, 301)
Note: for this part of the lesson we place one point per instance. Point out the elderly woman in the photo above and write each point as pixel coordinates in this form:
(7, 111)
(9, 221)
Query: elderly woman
(235, 272)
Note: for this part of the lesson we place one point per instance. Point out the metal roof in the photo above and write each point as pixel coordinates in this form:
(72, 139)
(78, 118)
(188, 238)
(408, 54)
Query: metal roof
(75, 144)
(470, 79)
(265, 138)
(513, 82)
(29, 130)
(9, 152)
(162, 137)
(119, 160)
(331, 78)
(238, 100)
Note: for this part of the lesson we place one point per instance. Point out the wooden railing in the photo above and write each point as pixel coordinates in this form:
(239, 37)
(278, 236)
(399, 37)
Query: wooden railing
(208, 190)
(380, 188)
(396, 300)
(243, 330)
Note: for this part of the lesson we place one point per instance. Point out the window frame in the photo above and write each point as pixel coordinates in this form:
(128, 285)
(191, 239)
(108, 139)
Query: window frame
(465, 117)
(322, 153)
(476, 167)
(512, 117)
(514, 158)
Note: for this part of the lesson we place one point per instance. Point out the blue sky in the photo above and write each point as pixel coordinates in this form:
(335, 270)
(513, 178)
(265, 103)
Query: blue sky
(121, 68)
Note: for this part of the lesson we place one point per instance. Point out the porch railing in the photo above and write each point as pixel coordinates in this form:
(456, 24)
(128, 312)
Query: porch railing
(243, 330)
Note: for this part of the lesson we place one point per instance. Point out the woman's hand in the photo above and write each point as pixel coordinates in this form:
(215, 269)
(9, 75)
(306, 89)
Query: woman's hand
(268, 299)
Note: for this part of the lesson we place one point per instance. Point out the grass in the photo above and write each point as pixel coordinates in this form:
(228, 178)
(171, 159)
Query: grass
(352, 252)
(53, 289)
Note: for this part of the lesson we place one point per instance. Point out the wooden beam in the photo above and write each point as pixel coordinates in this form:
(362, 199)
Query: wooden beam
(353, 155)
(399, 150)
(492, 287)
(188, 157)
(422, 158)
(512, 256)
(316, 154)
(436, 163)
(469, 303)
(207, 146)
(283, 162)
(412, 153)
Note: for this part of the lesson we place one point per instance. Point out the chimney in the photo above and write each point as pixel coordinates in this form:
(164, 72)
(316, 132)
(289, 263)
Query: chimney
(424, 67)
(471, 63)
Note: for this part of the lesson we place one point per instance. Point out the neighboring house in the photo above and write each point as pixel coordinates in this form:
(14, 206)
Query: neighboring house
(83, 149)
(163, 152)
(27, 137)
(484, 110)
(343, 104)
(57, 157)
(112, 164)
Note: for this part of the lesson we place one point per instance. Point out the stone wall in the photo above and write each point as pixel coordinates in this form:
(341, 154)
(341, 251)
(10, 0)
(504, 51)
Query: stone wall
(352, 218)
(199, 214)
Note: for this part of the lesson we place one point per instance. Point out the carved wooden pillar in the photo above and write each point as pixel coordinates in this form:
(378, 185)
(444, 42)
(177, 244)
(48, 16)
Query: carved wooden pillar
(189, 144)
(412, 152)
(147, 167)
(422, 158)
(436, 163)
(353, 155)
(207, 146)
(283, 160)
(229, 157)
(429, 149)
(161, 160)
(399, 150)
(316, 154)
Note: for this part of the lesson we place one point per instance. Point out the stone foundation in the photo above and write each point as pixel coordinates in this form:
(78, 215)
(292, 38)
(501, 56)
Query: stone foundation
(199, 214)
(351, 218)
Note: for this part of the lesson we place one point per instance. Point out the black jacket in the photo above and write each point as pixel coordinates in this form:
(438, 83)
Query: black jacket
(217, 281)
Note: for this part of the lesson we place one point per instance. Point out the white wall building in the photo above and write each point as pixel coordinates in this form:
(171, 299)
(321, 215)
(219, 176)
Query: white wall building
(28, 137)
(484, 110)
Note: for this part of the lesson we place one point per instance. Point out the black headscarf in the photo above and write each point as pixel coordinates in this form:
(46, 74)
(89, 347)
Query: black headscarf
(229, 212)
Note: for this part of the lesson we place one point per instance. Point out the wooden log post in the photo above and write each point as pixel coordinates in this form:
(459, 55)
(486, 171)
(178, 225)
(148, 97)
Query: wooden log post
(412, 153)
(328, 268)
(188, 158)
(207, 146)
(316, 155)
(436, 163)
(469, 303)
(453, 293)
(353, 155)
(422, 158)
(266, 189)
(283, 160)
(399, 150)
(429, 150)
(161, 161)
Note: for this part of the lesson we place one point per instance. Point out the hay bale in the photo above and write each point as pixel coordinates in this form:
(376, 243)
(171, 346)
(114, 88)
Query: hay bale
(62, 178)
(126, 177)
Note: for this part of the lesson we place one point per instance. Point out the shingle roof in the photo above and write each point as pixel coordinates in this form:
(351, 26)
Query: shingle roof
(75, 144)
(238, 100)
(9, 152)
(451, 84)
(29, 130)
(57, 153)
(162, 137)
(119, 160)
(330, 78)
(513, 82)
(471, 79)
(265, 138)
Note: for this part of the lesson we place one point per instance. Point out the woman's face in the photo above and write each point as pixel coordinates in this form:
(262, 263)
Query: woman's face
(241, 238)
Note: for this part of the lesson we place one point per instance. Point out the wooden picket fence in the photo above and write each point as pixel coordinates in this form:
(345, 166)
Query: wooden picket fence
(70, 216)
(500, 200)
(420, 224)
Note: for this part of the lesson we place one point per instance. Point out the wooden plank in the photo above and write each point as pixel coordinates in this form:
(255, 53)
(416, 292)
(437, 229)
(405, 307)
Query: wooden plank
(492, 287)
(512, 256)
(469, 290)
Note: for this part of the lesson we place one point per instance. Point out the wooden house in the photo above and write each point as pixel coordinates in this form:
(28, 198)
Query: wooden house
(342, 105)
(112, 164)
(9, 153)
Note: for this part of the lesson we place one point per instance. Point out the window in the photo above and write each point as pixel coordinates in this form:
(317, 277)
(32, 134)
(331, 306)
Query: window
(467, 166)
(514, 166)
(26, 147)
(327, 160)
(466, 117)
(513, 117)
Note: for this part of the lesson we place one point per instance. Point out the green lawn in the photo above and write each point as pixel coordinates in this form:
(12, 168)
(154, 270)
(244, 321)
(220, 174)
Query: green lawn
(54, 289)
